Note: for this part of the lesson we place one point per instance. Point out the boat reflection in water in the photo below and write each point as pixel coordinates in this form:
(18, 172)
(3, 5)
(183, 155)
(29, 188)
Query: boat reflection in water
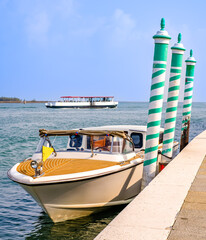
(82, 228)
(95, 168)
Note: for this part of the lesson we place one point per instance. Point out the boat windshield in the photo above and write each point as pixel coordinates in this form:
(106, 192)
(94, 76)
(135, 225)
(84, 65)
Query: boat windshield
(105, 144)
(86, 143)
(96, 143)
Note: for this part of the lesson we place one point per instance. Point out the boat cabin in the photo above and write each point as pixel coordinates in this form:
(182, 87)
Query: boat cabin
(88, 98)
(103, 140)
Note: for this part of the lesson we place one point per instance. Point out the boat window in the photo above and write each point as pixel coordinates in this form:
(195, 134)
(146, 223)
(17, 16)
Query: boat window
(137, 139)
(59, 143)
(161, 138)
(117, 145)
(39, 147)
(88, 142)
(128, 147)
(75, 141)
(42, 142)
(101, 143)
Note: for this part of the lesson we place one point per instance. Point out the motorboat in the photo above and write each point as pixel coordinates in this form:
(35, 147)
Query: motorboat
(83, 102)
(74, 173)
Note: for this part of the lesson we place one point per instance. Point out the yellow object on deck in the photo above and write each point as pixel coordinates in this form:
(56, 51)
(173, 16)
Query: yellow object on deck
(46, 152)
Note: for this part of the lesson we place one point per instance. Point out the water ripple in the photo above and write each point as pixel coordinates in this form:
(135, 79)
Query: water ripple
(20, 216)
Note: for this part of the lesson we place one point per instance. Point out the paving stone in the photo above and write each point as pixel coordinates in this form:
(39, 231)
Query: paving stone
(191, 220)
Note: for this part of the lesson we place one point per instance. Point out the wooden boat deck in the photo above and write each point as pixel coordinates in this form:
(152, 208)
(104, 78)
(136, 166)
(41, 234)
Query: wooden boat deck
(60, 166)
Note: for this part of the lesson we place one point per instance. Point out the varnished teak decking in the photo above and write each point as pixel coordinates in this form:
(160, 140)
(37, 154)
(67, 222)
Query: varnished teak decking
(60, 166)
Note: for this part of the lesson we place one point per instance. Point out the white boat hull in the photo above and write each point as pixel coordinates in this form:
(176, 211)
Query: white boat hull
(74, 199)
(81, 104)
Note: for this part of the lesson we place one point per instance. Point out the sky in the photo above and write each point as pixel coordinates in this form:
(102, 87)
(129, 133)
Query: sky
(54, 48)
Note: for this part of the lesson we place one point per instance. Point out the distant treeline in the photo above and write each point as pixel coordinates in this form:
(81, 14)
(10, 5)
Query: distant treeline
(18, 100)
(10, 99)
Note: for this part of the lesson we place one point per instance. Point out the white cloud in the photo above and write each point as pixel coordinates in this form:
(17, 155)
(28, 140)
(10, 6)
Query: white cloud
(38, 27)
(118, 30)
(123, 28)
(40, 16)
(64, 7)
(90, 29)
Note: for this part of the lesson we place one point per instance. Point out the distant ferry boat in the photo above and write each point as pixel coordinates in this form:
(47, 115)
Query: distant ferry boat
(83, 102)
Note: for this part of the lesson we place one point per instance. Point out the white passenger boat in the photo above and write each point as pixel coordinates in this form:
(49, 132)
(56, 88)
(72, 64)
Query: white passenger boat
(94, 168)
(83, 102)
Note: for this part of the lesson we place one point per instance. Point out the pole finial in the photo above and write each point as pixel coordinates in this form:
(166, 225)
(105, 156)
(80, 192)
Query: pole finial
(179, 37)
(162, 24)
(191, 52)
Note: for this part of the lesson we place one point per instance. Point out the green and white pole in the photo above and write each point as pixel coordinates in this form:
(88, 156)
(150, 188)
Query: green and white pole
(172, 100)
(187, 105)
(155, 106)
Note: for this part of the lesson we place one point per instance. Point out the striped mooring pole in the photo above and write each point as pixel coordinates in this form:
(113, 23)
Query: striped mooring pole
(155, 105)
(187, 105)
(172, 100)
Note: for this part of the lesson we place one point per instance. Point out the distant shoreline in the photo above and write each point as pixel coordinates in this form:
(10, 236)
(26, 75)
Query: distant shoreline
(23, 102)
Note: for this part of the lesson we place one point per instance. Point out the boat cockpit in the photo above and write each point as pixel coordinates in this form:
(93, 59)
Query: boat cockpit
(93, 142)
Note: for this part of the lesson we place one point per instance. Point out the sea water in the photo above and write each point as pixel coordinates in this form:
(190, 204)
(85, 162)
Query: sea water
(20, 216)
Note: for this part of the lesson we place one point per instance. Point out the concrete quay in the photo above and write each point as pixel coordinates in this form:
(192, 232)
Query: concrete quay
(172, 206)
